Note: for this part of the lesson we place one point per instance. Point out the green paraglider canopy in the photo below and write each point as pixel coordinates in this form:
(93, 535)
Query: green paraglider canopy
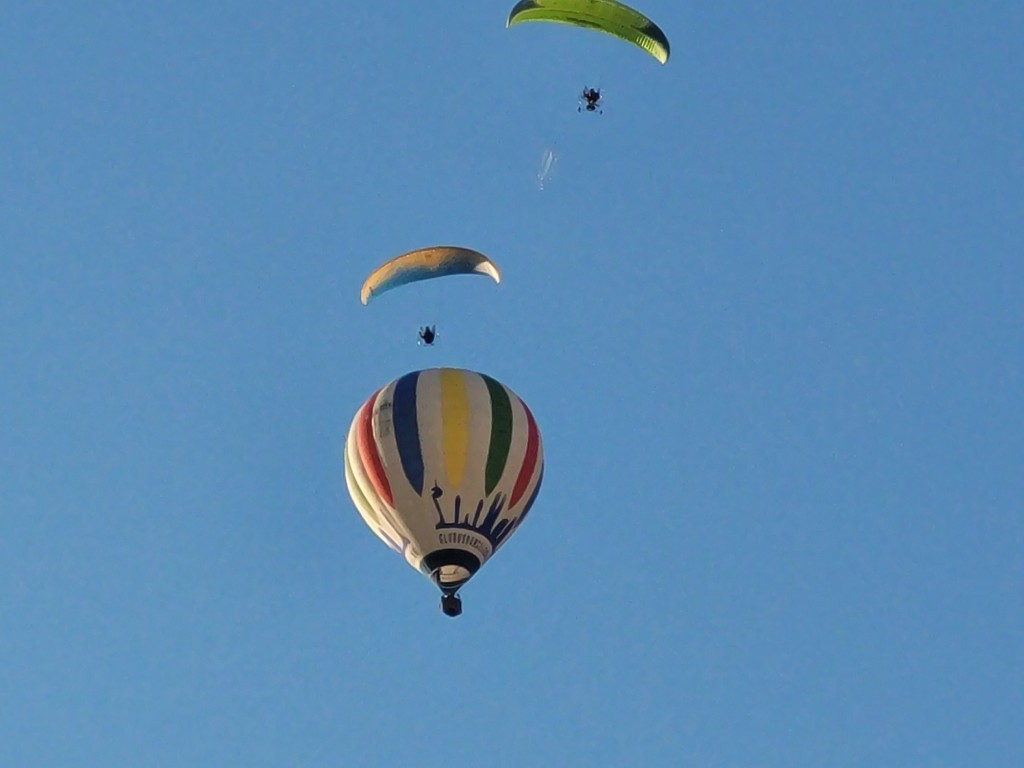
(606, 16)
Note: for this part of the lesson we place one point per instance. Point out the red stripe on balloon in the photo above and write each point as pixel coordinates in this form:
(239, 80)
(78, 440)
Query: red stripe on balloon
(368, 453)
(529, 460)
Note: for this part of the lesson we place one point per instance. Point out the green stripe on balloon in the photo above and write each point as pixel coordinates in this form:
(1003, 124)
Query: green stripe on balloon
(501, 433)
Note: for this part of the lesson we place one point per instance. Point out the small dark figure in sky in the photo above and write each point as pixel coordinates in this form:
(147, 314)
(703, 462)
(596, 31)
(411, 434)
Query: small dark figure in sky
(427, 335)
(591, 100)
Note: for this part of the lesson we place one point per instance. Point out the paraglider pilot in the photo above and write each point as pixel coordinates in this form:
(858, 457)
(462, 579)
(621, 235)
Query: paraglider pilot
(427, 335)
(591, 98)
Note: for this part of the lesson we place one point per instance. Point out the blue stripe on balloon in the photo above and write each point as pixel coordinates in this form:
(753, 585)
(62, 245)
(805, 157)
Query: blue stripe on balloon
(533, 496)
(407, 431)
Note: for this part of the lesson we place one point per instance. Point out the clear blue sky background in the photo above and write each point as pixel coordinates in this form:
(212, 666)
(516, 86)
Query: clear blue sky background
(768, 313)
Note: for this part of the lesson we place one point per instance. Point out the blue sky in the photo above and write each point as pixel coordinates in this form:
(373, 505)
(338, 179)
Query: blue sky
(767, 313)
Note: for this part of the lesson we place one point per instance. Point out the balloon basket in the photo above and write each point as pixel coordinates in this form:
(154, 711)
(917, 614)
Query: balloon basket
(451, 605)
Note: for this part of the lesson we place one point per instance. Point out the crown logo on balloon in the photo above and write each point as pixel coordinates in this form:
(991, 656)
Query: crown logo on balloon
(490, 527)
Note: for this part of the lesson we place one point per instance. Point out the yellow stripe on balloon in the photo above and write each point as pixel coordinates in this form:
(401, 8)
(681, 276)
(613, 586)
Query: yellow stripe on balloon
(454, 423)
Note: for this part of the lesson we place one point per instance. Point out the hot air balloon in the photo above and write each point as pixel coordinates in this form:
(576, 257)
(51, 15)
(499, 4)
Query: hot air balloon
(608, 16)
(424, 264)
(443, 466)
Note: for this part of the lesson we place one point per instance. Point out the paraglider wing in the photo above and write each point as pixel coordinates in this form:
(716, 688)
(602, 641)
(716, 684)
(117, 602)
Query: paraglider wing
(443, 466)
(606, 16)
(425, 264)
(548, 161)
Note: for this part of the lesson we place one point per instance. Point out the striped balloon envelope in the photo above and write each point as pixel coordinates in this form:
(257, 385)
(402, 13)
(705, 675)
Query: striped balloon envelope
(443, 466)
